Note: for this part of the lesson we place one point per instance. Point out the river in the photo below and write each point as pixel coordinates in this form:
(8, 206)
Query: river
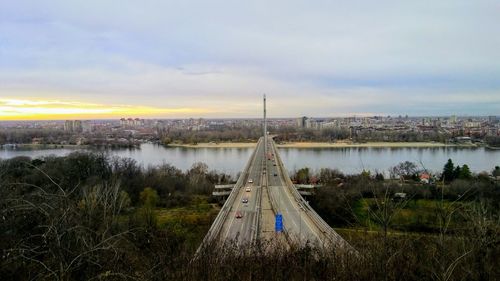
(347, 160)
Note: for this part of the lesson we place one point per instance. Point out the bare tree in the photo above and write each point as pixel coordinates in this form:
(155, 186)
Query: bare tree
(70, 235)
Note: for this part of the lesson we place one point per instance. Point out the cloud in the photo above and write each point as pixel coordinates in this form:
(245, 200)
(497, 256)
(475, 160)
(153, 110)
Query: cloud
(326, 57)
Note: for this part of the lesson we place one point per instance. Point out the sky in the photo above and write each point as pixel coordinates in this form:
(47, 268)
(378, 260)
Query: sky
(97, 59)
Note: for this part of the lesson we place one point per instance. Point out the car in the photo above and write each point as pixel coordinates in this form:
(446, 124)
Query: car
(244, 200)
(275, 174)
(248, 189)
(250, 181)
(274, 164)
(239, 215)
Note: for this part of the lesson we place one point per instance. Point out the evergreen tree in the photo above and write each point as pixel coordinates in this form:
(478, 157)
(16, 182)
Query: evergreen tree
(448, 171)
(456, 172)
(465, 172)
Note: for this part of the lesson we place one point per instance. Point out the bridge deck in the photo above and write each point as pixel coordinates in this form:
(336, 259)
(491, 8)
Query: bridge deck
(271, 192)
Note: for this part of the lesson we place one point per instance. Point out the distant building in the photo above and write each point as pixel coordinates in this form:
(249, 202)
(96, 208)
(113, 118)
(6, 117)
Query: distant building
(314, 123)
(37, 141)
(130, 122)
(86, 127)
(301, 122)
(463, 139)
(329, 125)
(77, 126)
(425, 178)
(472, 124)
(138, 122)
(73, 126)
(68, 126)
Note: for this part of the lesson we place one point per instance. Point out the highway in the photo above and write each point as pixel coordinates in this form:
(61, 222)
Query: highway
(297, 225)
(245, 229)
(263, 190)
(242, 222)
(296, 222)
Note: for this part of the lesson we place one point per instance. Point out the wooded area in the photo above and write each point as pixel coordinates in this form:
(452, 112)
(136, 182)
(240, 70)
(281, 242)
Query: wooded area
(88, 217)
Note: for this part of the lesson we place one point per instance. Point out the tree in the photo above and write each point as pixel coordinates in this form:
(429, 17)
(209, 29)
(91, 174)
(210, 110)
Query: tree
(302, 175)
(456, 172)
(405, 169)
(327, 175)
(61, 234)
(149, 197)
(448, 171)
(198, 168)
(465, 172)
(167, 141)
(199, 178)
(379, 177)
(382, 211)
(496, 171)
(366, 174)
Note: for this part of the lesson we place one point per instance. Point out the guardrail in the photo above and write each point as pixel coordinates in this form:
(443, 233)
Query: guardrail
(257, 217)
(218, 223)
(274, 205)
(328, 232)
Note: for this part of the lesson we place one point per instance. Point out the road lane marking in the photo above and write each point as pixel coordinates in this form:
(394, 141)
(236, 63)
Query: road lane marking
(289, 195)
(239, 197)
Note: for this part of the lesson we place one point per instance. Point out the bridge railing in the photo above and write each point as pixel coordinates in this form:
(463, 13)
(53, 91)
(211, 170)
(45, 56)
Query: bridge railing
(328, 232)
(257, 217)
(218, 223)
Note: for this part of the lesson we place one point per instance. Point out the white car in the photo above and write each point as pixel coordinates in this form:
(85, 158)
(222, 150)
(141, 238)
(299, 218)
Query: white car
(248, 189)
(250, 181)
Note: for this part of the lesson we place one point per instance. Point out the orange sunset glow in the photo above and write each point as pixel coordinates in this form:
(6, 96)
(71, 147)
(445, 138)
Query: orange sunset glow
(26, 109)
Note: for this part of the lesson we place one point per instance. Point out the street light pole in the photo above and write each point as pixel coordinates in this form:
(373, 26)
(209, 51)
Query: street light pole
(265, 127)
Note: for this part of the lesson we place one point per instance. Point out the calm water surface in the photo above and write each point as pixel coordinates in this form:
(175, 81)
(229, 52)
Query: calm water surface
(347, 160)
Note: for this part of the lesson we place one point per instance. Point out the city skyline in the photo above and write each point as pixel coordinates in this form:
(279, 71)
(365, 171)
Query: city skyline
(107, 60)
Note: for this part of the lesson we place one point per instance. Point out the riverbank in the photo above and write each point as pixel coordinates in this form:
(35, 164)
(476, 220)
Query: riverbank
(325, 145)
(32, 146)
(370, 144)
(216, 145)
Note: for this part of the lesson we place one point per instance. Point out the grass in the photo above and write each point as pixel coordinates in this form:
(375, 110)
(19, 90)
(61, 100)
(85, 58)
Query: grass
(420, 215)
(190, 222)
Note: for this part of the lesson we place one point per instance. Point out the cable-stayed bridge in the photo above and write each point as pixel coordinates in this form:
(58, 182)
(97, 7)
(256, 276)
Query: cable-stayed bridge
(264, 203)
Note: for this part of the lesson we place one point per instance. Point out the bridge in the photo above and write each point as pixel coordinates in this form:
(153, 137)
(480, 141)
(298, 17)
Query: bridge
(263, 191)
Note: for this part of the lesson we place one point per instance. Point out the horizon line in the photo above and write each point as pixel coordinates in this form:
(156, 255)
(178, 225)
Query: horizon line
(246, 118)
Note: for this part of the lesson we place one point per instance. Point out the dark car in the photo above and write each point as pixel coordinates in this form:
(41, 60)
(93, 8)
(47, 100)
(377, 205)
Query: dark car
(244, 200)
(275, 174)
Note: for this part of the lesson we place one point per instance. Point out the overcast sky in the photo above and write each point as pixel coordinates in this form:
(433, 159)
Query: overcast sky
(217, 58)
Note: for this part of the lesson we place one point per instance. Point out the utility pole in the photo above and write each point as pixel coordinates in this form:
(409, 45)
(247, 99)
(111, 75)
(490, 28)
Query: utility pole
(265, 128)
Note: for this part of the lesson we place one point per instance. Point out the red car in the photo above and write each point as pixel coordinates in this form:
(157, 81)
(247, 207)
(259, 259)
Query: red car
(239, 214)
